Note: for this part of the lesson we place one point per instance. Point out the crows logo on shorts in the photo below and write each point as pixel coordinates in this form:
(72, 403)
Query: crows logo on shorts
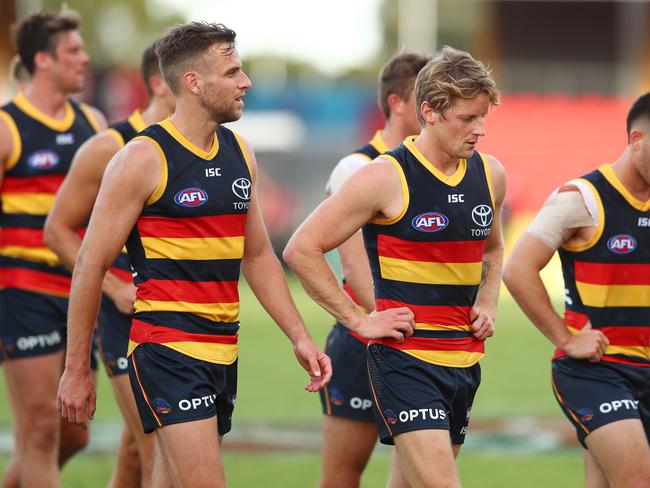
(161, 406)
(337, 397)
(585, 414)
(390, 416)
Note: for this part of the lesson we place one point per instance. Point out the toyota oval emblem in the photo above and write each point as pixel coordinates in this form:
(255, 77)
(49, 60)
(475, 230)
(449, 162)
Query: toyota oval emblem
(482, 215)
(241, 187)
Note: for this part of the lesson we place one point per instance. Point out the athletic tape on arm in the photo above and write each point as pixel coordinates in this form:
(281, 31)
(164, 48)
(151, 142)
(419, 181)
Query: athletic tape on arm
(562, 213)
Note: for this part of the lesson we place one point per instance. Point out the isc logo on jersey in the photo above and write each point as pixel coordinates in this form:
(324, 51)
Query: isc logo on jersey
(191, 197)
(430, 222)
(44, 159)
(621, 244)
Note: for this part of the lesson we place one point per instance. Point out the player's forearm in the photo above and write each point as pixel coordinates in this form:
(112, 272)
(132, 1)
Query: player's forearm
(65, 242)
(356, 270)
(488, 295)
(266, 278)
(528, 290)
(85, 296)
(320, 283)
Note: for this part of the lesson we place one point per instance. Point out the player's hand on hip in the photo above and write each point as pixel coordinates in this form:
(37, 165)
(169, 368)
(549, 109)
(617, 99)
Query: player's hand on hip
(392, 323)
(587, 344)
(315, 362)
(481, 323)
(123, 297)
(76, 399)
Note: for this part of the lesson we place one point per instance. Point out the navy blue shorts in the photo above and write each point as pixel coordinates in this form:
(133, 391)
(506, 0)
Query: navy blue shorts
(348, 394)
(113, 328)
(171, 388)
(411, 394)
(34, 324)
(595, 394)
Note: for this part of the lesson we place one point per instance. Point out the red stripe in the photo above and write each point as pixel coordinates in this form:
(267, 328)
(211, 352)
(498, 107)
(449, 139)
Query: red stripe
(33, 184)
(189, 291)
(612, 274)
(430, 314)
(610, 359)
(437, 252)
(627, 336)
(212, 226)
(358, 337)
(142, 332)
(469, 344)
(21, 236)
(122, 274)
(348, 290)
(576, 320)
(27, 279)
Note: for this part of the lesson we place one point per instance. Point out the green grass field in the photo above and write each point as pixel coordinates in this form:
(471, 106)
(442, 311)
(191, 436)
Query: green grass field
(516, 383)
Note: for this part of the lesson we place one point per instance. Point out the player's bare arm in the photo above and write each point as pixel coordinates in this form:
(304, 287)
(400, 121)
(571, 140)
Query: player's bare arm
(374, 191)
(553, 227)
(98, 117)
(352, 252)
(266, 278)
(74, 203)
(483, 313)
(131, 178)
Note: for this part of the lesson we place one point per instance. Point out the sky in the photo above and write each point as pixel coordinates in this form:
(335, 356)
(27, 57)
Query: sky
(333, 35)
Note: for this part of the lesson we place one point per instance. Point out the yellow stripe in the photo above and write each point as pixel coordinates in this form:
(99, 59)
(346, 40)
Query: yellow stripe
(454, 359)
(35, 254)
(608, 172)
(601, 221)
(614, 295)
(136, 121)
(117, 135)
(90, 116)
(160, 189)
(27, 203)
(451, 180)
(378, 142)
(430, 273)
(244, 151)
(206, 351)
(423, 326)
(405, 194)
(59, 125)
(488, 176)
(183, 141)
(131, 348)
(193, 248)
(216, 312)
(16, 147)
(638, 351)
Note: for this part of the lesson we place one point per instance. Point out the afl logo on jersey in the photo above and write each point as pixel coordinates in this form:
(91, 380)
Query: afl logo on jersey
(191, 197)
(621, 244)
(430, 222)
(42, 160)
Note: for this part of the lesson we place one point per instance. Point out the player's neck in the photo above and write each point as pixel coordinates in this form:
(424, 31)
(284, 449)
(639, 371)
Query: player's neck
(46, 97)
(194, 124)
(435, 154)
(394, 133)
(626, 171)
(155, 112)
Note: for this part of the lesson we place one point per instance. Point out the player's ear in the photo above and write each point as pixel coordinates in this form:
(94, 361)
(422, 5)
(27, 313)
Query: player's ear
(430, 115)
(192, 81)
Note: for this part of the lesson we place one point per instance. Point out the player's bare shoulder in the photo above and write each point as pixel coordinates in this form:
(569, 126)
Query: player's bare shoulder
(141, 163)
(497, 176)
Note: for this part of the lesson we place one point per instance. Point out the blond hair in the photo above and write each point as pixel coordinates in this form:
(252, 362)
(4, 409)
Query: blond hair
(449, 75)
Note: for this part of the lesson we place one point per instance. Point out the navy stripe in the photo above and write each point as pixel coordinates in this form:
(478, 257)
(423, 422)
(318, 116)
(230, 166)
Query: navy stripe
(7, 262)
(188, 322)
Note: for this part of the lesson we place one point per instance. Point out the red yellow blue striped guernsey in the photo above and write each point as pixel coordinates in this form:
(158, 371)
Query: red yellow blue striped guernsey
(43, 149)
(186, 248)
(607, 280)
(429, 258)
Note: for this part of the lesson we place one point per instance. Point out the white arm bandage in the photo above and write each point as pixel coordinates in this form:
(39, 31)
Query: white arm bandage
(561, 214)
(343, 170)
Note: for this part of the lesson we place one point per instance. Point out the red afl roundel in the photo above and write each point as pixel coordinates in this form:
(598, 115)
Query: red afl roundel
(430, 222)
(621, 244)
(191, 197)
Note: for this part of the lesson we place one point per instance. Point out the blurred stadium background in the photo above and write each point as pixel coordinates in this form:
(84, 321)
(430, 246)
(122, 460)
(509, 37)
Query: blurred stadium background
(568, 71)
